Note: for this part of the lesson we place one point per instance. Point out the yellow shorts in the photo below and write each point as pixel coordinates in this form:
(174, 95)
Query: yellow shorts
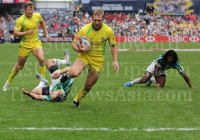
(27, 47)
(94, 63)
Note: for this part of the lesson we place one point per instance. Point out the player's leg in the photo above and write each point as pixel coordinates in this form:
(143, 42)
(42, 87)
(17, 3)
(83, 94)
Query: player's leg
(65, 61)
(15, 70)
(147, 76)
(39, 54)
(77, 68)
(42, 82)
(90, 81)
(50, 64)
(144, 79)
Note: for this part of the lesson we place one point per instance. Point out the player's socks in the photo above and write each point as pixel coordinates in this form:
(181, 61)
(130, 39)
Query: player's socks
(136, 81)
(43, 81)
(41, 84)
(42, 71)
(81, 94)
(59, 62)
(12, 75)
(153, 80)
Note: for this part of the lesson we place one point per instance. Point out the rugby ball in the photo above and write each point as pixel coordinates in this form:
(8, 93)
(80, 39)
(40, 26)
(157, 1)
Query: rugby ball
(85, 41)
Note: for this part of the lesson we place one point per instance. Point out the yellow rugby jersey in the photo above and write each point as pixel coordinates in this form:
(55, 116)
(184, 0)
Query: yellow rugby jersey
(24, 24)
(97, 38)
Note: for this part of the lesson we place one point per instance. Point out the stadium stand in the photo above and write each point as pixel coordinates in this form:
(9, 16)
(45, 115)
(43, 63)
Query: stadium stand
(134, 24)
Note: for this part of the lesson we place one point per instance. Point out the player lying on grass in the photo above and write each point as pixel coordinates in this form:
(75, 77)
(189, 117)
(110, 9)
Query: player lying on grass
(59, 89)
(158, 69)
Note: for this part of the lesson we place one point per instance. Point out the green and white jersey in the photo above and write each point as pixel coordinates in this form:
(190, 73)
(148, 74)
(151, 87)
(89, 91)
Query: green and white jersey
(64, 87)
(164, 65)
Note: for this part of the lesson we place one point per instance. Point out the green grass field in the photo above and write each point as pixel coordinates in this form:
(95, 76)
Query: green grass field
(110, 110)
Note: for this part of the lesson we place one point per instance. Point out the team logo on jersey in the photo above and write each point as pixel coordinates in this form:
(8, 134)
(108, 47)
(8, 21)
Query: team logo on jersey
(37, 22)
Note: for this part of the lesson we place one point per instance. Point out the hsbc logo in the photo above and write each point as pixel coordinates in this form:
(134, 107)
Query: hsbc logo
(150, 39)
(194, 39)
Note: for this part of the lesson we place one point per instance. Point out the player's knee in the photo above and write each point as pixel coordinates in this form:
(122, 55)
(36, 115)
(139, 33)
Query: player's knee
(73, 73)
(88, 87)
(19, 67)
(143, 80)
(41, 59)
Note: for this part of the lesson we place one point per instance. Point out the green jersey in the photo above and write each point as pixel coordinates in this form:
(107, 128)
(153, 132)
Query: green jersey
(164, 65)
(64, 87)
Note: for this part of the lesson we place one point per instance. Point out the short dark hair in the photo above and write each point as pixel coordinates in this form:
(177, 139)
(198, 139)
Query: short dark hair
(59, 98)
(171, 53)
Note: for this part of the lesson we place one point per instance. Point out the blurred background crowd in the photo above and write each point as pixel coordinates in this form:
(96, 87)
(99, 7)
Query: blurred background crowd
(133, 24)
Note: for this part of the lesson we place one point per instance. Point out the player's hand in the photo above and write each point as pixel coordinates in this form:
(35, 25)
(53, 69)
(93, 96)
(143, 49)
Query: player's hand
(56, 75)
(29, 32)
(116, 67)
(48, 37)
(83, 49)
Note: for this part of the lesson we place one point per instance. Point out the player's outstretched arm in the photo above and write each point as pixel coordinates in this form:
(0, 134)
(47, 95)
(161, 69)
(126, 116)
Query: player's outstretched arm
(58, 74)
(187, 79)
(114, 52)
(19, 34)
(43, 25)
(35, 96)
(156, 75)
(32, 95)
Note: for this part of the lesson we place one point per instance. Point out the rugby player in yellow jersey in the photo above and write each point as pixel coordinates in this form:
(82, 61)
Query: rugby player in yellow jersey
(27, 28)
(98, 33)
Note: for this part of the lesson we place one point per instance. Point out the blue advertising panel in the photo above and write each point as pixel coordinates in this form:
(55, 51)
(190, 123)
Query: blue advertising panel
(125, 6)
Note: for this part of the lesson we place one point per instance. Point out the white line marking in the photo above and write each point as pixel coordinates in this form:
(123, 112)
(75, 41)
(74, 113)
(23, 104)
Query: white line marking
(185, 50)
(105, 129)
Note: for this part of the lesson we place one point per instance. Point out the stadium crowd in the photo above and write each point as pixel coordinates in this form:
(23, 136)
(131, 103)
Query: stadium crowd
(134, 24)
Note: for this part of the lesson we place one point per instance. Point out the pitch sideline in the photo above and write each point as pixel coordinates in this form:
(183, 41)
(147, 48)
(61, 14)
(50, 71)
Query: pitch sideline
(104, 129)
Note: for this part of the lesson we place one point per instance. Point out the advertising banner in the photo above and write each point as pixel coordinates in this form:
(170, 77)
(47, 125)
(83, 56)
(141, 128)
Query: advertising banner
(134, 39)
(125, 6)
(157, 38)
(58, 39)
(7, 1)
(20, 1)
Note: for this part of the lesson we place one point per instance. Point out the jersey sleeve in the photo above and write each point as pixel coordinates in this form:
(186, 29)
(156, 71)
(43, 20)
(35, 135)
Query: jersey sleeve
(158, 62)
(40, 18)
(47, 98)
(178, 67)
(111, 37)
(18, 25)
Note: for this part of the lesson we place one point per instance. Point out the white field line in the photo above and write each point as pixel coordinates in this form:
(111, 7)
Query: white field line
(105, 129)
(185, 50)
